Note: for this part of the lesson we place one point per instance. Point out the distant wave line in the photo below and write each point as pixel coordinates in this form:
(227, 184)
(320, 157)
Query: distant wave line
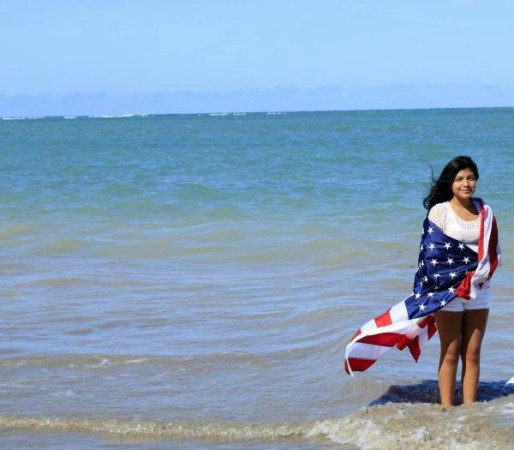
(116, 116)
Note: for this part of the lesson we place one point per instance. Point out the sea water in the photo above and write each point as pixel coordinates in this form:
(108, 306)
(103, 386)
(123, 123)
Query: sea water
(191, 281)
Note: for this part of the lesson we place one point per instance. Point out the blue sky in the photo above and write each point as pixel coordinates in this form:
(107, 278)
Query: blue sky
(157, 56)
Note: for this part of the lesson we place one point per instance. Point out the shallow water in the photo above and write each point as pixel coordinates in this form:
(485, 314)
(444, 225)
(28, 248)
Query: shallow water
(192, 281)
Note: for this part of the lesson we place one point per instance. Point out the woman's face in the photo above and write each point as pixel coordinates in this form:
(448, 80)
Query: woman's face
(464, 184)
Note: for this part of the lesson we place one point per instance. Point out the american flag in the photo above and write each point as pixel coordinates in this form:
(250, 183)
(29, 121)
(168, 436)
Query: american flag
(447, 268)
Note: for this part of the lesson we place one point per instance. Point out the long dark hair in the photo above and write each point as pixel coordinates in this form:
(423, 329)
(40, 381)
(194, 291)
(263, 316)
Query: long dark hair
(441, 189)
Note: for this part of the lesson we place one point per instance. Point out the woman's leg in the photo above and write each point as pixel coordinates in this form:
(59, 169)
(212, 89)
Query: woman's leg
(449, 326)
(474, 324)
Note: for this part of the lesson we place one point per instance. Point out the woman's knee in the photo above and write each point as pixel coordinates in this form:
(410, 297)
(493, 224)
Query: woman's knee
(451, 354)
(471, 354)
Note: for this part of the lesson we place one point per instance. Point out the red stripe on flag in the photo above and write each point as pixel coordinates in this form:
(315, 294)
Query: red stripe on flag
(481, 235)
(383, 339)
(432, 327)
(403, 342)
(356, 334)
(465, 286)
(414, 348)
(384, 319)
(493, 246)
(427, 321)
(358, 365)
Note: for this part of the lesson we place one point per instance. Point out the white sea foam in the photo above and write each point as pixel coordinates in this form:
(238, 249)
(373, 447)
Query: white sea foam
(116, 116)
(419, 426)
(104, 362)
(156, 430)
(24, 118)
(387, 427)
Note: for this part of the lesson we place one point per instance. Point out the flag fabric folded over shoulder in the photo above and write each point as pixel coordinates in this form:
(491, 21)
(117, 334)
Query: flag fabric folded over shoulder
(447, 269)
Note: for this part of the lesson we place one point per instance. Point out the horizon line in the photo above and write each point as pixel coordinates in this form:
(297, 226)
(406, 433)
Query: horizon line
(240, 113)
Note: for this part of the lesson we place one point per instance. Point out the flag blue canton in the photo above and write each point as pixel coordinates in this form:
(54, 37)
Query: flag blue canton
(442, 264)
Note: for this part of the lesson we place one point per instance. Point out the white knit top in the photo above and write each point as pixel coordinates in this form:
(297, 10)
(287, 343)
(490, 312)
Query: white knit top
(466, 231)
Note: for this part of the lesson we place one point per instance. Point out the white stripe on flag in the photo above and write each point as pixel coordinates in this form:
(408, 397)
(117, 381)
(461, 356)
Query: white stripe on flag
(367, 351)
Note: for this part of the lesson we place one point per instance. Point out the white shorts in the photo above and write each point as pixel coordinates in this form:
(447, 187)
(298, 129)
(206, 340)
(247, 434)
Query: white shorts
(458, 304)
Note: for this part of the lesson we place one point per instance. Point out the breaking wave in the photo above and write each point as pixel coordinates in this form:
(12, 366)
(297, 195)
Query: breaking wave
(388, 426)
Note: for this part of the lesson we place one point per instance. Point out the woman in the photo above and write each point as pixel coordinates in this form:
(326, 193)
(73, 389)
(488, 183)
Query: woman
(461, 323)
(459, 253)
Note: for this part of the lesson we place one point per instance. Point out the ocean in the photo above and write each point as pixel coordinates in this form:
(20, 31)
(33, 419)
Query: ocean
(191, 281)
